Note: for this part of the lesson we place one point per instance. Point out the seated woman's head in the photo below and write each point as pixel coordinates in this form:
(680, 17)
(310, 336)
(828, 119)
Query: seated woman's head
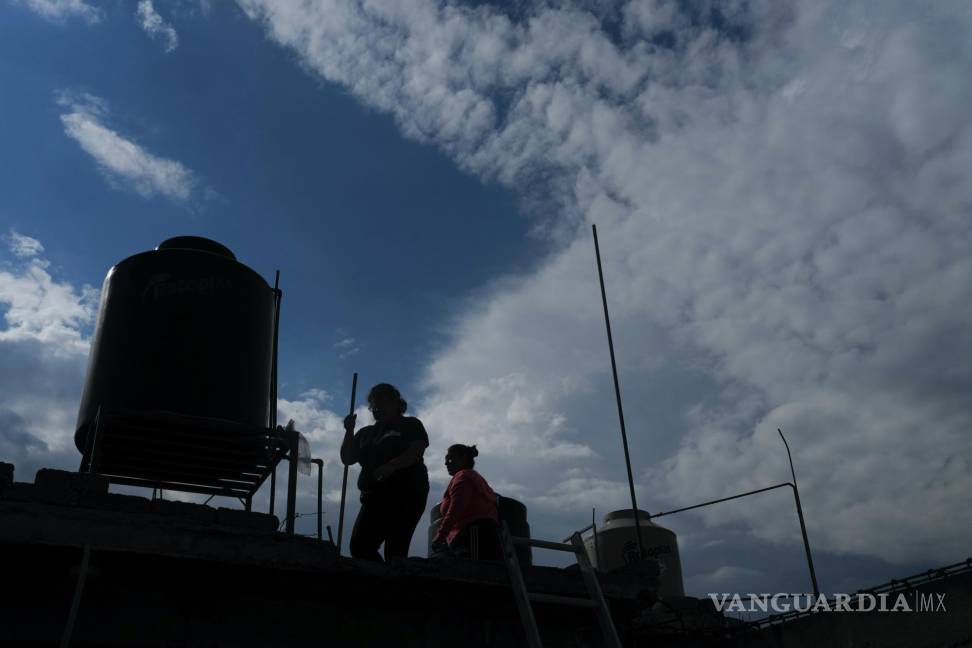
(386, 402)
(460, 457)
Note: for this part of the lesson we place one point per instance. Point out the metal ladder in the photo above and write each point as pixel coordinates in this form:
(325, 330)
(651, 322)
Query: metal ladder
(523, 597)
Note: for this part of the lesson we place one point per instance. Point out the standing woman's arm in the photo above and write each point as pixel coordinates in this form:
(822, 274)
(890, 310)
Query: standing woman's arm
(350, 453)
(412, 455)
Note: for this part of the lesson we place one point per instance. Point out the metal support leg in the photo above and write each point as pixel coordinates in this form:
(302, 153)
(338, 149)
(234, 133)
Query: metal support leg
(273, 487)
(88, 463)
(76, 601)
(292, 483)
(320, 498)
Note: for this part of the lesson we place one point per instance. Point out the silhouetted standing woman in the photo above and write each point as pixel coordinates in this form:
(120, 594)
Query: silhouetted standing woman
(394, 481)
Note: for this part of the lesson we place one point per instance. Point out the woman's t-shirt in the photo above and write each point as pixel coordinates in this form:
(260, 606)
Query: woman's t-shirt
(380, 443)
(468, 498)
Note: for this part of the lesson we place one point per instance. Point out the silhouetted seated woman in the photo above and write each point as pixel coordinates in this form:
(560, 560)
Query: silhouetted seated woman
(470, 520)
(394, 481)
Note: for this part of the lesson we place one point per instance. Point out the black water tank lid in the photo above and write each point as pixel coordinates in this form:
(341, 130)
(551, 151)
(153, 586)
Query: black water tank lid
(196, 243)
(627, 513)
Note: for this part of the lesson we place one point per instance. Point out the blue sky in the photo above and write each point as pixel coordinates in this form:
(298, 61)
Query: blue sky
(780, 193)
(370, 231)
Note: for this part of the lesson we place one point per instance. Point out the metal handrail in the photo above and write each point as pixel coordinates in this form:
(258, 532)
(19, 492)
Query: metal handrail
(589, 527)
(895, 584)
(544, 544)
(796, 496)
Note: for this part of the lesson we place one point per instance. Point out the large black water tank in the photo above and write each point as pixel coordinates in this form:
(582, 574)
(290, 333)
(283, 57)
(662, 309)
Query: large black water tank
(184, 328)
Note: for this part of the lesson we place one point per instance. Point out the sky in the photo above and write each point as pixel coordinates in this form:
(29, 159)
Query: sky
(782, 200)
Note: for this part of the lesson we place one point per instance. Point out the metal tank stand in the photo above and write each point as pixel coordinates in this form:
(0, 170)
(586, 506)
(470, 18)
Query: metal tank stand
(523, 598)
(174, 452)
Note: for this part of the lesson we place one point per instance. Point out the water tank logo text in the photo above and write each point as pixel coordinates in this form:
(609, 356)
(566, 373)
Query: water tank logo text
(860, 602)
(161, 286)
(629, 552)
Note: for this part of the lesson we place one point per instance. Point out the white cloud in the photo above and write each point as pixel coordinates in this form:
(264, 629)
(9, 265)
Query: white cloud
(61, 10)
(41, 309)
(43, 349)
(23, 246)
(727, 573)
(155, 26)
(323, 427)
(123, 161)
(729, 578)
(347, 347)
(317, 394)
(784, 216)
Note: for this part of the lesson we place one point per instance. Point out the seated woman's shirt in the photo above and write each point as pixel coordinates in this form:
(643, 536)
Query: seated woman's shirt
(468, 498)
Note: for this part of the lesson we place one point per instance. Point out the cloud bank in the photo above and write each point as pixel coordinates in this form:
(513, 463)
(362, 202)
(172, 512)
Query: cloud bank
(43, 349)
(23, 246)
(781, 194)
(61, 10)
(123, 162)
(155, 26)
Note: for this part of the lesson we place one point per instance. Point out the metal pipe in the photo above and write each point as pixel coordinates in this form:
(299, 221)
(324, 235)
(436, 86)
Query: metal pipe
(544, 544)
(344, 478)
(292, 436)
(320, 497)
(581, 531)
(617, 394)
(722, 499)
(796, 497)
(76, 601)
(803, 526)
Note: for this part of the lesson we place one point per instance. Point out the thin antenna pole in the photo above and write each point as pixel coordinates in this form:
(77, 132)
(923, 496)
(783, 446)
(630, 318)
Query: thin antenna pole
(277, 295)
(617, 393)
(273, 383)
(344, 479)
(803, 526)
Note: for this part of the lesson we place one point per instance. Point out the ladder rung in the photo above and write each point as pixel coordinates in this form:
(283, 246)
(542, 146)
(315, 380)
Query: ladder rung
(545, 544)
(561, 600)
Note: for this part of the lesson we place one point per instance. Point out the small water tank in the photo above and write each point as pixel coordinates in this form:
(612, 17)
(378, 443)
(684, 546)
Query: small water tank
(511, 511)
(617, 546)
(186, 329)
